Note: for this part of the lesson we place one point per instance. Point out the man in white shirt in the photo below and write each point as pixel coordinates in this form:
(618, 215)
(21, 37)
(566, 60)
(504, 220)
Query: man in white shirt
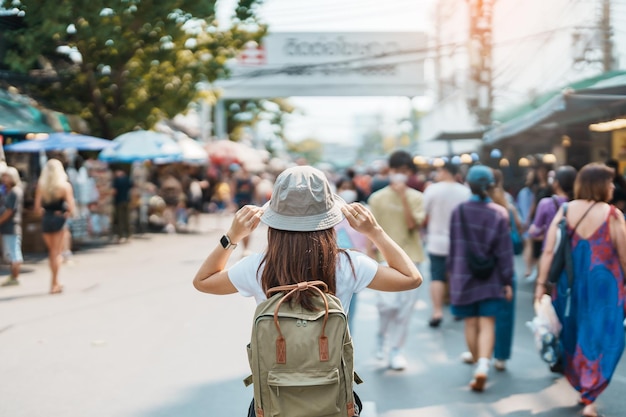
(440, 199)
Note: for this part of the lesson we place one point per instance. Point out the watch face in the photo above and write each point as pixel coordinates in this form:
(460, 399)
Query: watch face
(225, 241)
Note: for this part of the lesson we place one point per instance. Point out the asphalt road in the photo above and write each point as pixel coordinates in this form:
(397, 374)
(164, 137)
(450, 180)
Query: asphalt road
(131, 337)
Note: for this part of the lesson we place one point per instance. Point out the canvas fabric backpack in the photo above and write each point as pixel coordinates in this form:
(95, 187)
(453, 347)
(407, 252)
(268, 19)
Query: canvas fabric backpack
(302, 361)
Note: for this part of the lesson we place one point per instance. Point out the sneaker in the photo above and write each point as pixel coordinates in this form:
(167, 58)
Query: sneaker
(499, 365)
(10, 282)
(467, 358)
(397, 361)
(478, 383)
(532, 276)
(480, 376)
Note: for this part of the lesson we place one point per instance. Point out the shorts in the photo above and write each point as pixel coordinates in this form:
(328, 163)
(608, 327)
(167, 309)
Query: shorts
(12, 246)
(52, 222)
(438, 269)
(484, 308)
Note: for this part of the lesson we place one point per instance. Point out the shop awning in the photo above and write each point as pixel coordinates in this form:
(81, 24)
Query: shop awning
(17, 117)
(588, 100)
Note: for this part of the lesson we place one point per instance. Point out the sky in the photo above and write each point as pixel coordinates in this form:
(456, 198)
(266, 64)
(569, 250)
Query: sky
(331, 119)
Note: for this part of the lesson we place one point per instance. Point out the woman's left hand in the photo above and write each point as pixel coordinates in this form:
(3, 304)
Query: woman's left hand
(508, 293)
(245, 221)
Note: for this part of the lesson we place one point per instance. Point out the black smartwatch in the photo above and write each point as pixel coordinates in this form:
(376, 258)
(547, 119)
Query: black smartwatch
(226, 243)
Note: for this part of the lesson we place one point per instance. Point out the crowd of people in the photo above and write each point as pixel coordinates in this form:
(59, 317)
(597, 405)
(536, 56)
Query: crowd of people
(472, 228)
(461, 220)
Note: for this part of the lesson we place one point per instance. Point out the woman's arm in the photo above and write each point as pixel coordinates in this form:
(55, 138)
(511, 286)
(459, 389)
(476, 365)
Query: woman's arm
(546, 256)
(37, 207)
(401, 273)
(212, 277)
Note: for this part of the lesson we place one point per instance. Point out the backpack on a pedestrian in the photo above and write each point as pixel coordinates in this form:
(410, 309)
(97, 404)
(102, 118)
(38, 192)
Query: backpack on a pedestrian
(302, 361)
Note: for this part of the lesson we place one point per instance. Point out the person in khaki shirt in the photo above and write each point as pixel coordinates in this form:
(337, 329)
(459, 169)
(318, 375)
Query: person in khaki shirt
(399, 210)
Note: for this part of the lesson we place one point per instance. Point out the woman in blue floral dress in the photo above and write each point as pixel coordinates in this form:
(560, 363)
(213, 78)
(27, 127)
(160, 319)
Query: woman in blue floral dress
(592, 337)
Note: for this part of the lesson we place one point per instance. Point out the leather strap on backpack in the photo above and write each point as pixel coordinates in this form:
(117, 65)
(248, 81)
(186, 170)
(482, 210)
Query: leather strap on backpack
(281, 344)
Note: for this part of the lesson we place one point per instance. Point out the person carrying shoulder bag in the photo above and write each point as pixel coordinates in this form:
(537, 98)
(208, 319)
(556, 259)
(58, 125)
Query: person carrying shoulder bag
(479, 231)
(591, 306)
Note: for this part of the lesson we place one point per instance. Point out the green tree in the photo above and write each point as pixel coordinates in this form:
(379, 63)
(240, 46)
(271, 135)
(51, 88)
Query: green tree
(139, 60)
(243, 114)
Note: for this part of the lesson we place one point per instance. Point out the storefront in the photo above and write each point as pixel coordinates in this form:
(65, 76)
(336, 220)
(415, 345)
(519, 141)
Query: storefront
(559, 121)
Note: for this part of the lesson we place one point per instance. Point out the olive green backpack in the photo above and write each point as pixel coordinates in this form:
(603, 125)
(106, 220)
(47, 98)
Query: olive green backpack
(302, 361)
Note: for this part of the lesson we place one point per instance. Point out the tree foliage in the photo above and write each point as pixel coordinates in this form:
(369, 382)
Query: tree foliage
(243, 114)
(140, 60)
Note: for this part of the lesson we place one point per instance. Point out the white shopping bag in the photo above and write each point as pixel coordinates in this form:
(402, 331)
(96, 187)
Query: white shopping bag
(546, 328)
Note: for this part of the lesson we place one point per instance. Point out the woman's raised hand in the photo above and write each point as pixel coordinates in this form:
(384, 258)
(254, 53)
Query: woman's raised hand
(245, 221)
(360, 218)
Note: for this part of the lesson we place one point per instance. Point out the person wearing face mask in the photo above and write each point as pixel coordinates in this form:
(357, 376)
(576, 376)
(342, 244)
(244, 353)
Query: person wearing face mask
(399, 210)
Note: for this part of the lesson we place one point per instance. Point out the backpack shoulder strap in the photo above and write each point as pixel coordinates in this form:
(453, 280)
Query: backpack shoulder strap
(555, 201)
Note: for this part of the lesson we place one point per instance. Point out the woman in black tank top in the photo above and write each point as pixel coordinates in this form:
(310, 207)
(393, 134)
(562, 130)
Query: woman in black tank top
(54, 199)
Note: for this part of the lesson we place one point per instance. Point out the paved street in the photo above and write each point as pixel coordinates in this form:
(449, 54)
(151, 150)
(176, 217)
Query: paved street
(131, 337)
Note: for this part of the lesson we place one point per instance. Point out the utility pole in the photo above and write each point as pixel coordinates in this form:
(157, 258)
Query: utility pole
(480, 96)
(438, 67)
(606, 33)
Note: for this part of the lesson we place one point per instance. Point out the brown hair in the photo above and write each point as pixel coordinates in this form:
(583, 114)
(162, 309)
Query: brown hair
(497, 192)
(592, 182)
(294, 257)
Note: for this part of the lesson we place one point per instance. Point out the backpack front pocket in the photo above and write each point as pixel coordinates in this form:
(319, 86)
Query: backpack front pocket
(304, 394)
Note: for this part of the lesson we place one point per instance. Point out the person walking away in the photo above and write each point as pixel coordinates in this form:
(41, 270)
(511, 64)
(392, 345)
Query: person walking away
(592, 334)
(11, 223)
(302, 246)
(400, 212)
(505, 318)
(477, 299)
(563, 190)
(543, 189)
(54, 198)
(619, 193)
(440, 199)
(243, 193)
(524, 202)
(122, 185)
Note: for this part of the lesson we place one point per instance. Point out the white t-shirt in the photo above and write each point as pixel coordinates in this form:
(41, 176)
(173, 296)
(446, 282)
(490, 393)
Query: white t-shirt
(440, 200)
(244, 276)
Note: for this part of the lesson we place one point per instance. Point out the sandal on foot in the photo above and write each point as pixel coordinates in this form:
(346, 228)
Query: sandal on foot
(57, 290)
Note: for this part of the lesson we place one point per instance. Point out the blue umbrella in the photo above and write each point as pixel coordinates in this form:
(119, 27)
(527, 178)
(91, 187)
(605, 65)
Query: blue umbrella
(60, 141)
(142, 145)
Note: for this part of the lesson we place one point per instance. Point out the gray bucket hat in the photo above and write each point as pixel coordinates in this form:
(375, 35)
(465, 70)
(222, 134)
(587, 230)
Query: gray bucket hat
(302, 201)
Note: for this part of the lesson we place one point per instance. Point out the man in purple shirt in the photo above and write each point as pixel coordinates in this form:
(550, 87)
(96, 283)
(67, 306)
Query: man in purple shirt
(481, 227)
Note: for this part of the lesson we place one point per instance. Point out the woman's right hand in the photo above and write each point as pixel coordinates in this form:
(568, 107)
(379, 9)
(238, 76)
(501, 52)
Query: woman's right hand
(245, 221)
(540, 290)
(360, 218)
